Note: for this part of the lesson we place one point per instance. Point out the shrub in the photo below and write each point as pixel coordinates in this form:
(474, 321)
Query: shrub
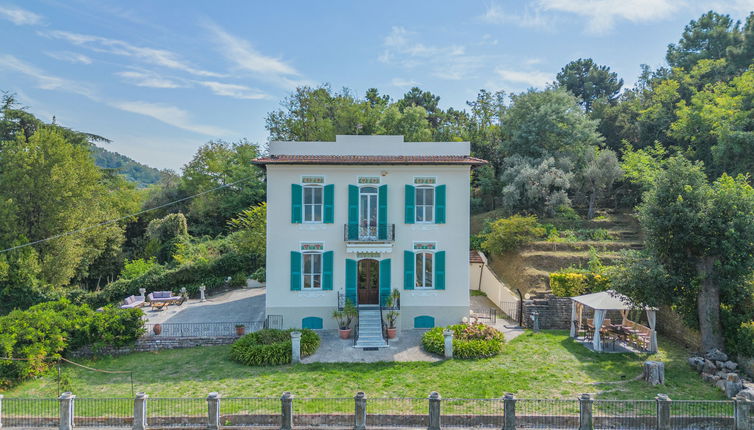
(135, 268)
(507, 234)
(469, 341)
(271, 347)
(575, 282)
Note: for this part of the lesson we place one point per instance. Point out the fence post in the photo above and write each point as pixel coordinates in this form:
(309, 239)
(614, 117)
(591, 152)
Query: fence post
(742, 414)
(286, 415)
(434, 411)
(213, 411)
(140, 411)
(295, 347)
(66, 410)
(585, 412)
(448, 343)
(1, 411)
(663, 412)
(509, 412)
(360, 411)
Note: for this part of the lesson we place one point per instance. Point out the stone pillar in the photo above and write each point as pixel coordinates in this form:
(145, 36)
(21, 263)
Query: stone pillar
(663, 412)
(743, 413)
(184, 293)
(535, 320)
(1, 411)
(585, 412)
(66, 410)
(434, 411)
(202, 288)
(448, 343)
(286, 412)
(360, 411)
(509, 412)
(213, 411)
(140, 411)
(295, 347)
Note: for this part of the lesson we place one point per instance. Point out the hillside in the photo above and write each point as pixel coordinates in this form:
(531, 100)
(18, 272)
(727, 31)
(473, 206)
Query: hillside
(528, 268)
(134, 171)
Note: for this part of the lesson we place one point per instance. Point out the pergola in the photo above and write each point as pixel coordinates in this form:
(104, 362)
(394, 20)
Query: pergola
(609, 301)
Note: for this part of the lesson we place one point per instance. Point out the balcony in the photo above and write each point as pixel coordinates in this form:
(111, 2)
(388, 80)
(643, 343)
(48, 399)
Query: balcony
(369, 239)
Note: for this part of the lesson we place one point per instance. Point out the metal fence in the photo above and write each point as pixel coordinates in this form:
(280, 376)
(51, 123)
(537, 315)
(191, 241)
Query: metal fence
(203, 329)
(431, 412)
(511, 310)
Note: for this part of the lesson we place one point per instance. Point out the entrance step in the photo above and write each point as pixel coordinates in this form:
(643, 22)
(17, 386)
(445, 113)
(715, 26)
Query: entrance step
(370, 328)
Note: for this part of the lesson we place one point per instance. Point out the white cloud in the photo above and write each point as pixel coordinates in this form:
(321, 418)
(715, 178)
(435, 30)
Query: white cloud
(19, 16)
(529, 78)
(71, 57)
(246, 58)
(43, 79)
(404, 83)
(446, 62)
(158, 57)
(494, 14)
(233, 90)
(149, 79)
(602, 14)
(170, 115)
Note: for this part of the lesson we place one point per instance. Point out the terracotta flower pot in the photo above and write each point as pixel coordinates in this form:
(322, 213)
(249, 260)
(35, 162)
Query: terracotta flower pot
(344, 334)
(391, 332)
(157, 329)
(240, 330)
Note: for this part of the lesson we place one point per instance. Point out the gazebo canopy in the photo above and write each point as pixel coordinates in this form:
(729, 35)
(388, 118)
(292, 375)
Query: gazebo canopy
(608, 301)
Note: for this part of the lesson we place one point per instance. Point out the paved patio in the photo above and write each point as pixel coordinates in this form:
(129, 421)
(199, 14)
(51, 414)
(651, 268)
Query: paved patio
(241, 305)
(333, 349)
(482, 304)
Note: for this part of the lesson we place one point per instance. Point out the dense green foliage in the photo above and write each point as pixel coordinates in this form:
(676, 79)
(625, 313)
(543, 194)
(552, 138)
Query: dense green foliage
(469, 340)
(507, 234)
(133, 171)
(41, 334)
(271, 347)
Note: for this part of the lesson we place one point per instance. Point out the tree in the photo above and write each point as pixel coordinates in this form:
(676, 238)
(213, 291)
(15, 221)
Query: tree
(412, 123)
(601, 171)
(709, 37)
(589, 82)
(251, 230)
(535, 187)
(548, 123)
(700, 233)
(416, 97)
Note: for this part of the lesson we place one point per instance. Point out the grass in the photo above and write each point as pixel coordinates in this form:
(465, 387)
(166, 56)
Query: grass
(545, 365)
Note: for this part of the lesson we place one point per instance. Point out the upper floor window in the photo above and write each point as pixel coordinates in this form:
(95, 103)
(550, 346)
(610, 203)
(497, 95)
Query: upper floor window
(312, 270)
(425, 204)
(313, 203)
(423, 269)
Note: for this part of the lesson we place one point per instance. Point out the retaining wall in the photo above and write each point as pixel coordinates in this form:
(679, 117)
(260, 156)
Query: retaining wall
(147, 344)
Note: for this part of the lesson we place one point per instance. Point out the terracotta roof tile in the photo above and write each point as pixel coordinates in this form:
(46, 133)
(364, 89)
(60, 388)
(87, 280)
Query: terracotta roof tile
(370, 159)
(474, 257)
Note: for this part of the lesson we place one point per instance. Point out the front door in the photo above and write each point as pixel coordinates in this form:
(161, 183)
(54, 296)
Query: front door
(369, 282)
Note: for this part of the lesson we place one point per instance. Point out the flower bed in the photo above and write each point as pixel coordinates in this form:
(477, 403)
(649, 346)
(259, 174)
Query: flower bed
(270, 347)
(469, 340)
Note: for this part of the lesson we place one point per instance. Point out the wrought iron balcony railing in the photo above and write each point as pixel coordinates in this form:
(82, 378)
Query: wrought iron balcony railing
(379, 233)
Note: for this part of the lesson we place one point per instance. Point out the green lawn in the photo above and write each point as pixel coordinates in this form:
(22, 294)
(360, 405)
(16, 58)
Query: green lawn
(543, 365)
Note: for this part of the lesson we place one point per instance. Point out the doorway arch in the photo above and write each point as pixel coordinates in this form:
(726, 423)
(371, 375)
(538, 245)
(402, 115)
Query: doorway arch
(368, 281)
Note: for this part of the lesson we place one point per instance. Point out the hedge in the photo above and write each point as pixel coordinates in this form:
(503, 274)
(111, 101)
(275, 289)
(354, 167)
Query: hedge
(41, 334)
(575, 283)
(271, 347)
(469, 340)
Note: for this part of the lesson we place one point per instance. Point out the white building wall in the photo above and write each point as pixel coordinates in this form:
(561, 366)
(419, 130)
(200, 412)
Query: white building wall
(446, 306)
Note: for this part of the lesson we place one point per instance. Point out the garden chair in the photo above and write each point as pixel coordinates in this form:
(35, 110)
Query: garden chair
(131, 302)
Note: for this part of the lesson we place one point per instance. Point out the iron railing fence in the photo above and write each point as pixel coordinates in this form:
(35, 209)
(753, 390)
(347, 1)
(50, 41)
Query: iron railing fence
(488, 315)
(378, 233)
(510, 310)
(343, 412)
(203, 329)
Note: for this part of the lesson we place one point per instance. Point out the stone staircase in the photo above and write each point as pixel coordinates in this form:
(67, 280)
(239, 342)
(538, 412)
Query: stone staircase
(370, 328)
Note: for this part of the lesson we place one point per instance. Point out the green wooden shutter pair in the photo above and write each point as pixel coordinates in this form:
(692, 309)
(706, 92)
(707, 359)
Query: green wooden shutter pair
(351, 280)
(297, 207)
(410, 206)
(384, 281)
(327, 263)
(382, 212)
(353, 212)
(409, 279)
(408, 270)
(440, 204)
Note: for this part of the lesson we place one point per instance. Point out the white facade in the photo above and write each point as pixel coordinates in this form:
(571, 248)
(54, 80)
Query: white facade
(313, 243)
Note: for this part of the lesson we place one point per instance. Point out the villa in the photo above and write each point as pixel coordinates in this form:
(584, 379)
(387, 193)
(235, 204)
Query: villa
(357, 218)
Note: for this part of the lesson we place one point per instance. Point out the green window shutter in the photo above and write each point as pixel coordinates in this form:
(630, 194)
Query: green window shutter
(327, 270)
(440, 270)
(384, 280)
(296, 206)
(295, 271)
(353, 212)
(351, 280)
(408, 270)
(382, 212)
(410, 205)
(329, 215)
(440, 204)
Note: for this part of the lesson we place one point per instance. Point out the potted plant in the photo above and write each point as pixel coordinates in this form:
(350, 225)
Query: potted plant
(344, 319)
(395, 299)
(157, 329)
(240, 329)
(390, 318)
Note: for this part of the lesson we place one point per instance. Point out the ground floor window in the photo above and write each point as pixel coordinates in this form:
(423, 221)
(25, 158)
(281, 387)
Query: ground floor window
(312, 270)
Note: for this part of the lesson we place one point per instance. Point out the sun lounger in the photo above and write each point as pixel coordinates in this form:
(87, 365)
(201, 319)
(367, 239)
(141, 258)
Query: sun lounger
(133, 302)
(161, 299)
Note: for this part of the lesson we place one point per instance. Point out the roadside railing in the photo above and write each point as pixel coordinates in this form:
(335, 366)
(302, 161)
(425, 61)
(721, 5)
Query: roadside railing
(203, 329)
(432, 412)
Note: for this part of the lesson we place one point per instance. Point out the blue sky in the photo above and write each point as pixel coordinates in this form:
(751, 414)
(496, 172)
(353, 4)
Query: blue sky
(160, 78)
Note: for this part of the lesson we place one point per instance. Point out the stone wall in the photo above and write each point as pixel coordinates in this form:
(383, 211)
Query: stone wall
(153, 343)
(554, 312)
